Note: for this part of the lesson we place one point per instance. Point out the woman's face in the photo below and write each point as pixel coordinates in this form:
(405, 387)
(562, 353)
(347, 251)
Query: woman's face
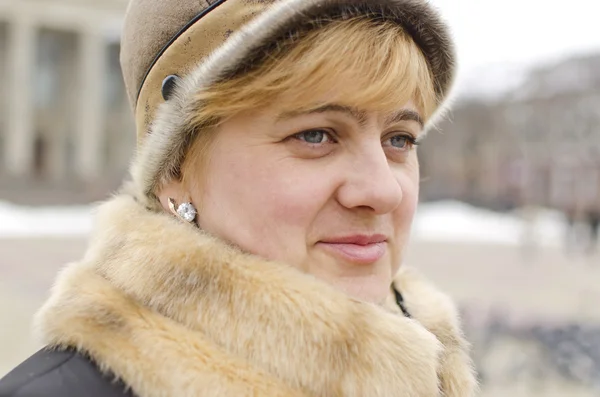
(331, 192)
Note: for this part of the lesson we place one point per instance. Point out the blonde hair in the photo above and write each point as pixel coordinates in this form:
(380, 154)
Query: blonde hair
(358, 62)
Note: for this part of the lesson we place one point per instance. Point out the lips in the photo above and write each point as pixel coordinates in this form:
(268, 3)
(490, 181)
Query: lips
(359, 249)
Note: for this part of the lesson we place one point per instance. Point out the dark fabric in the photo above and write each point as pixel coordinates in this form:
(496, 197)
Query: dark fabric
(400, 302)
(51, 373)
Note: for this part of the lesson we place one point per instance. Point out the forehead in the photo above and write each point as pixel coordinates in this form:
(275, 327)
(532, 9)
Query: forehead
(286, 108)
(408, 112)
(351, 90)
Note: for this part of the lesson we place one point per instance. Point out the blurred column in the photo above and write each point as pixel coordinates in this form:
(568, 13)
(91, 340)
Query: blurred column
(64, 103)
(89, 129)
(20, 131)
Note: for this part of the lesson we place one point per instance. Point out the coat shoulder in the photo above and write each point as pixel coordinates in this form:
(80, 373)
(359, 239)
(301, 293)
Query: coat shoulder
(53, 373)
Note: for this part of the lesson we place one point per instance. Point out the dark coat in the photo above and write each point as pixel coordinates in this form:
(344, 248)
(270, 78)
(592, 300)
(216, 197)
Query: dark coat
(51, 373)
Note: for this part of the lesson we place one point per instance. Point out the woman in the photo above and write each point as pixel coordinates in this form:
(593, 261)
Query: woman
(257, 249)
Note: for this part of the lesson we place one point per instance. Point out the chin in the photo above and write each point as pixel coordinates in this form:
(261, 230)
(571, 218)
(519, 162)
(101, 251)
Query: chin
(371, 290)
(368, 283)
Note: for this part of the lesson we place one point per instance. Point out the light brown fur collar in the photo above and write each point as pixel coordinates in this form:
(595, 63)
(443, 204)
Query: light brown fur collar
(175, 312)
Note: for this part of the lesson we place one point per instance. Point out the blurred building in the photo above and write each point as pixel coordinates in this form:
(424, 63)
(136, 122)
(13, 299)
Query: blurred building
(65, 125)
(538, 145)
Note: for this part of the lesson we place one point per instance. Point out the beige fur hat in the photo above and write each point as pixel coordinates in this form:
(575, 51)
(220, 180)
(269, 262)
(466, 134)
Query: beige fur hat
(170, 49)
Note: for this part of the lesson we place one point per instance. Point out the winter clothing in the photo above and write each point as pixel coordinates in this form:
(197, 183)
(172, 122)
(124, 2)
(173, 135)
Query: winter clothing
(172, 311)
(165, 309)
(60, 373)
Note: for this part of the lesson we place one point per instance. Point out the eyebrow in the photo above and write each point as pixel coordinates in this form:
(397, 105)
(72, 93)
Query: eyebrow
(405, 115)
(360, 116)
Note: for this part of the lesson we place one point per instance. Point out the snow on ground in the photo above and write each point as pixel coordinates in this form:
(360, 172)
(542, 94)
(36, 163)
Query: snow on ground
(17, 221)
(458, 222)
(441, 221)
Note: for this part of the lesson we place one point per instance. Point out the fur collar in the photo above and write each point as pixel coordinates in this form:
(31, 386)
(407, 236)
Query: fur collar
(173, 311)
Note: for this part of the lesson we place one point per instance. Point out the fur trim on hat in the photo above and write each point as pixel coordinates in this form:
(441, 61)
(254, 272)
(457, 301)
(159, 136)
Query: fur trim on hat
(172, 311)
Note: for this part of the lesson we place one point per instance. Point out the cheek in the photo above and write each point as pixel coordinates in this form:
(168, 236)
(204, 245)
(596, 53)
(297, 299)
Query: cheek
(292, 198)
(404, 214)
(268, 205)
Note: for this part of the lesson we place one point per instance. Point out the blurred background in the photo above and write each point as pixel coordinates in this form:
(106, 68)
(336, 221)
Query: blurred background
(508, 223)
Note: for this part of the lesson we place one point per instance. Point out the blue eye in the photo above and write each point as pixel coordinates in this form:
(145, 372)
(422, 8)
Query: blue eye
(314, 137)
(403, 142)
(399, 141)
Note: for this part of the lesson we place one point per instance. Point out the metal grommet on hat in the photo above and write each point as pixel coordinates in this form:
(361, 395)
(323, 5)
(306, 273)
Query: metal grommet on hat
(168, 86)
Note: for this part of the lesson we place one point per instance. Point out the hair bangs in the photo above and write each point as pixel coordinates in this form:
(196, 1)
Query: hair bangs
(359, 62)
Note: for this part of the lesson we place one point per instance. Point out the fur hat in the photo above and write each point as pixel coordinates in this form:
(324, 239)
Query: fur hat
(172, 48)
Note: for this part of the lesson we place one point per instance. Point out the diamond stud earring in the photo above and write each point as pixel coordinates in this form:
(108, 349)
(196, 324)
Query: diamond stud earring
(185, 211)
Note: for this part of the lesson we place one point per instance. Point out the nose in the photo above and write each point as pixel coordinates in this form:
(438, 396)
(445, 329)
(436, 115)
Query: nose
(371, 183)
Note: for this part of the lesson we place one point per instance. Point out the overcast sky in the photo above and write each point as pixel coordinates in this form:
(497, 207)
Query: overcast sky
(521, 31)
(491, 31)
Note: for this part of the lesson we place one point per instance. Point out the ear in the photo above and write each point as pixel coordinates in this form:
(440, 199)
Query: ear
(173, 189)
